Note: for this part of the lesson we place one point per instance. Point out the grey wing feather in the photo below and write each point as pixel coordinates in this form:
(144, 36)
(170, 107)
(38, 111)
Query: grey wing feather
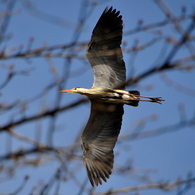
(104, 52)
(99, 138)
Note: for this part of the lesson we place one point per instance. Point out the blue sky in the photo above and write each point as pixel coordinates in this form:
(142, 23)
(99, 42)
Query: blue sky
(164, 158)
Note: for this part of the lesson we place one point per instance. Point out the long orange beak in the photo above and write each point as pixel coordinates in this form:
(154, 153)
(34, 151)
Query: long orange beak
(66, 91)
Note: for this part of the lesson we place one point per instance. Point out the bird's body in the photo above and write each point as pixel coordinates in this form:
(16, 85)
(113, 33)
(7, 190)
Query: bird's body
(107, 96)
(116, 96)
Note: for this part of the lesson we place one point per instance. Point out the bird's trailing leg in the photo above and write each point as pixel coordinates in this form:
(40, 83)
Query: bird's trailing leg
(151, 99)
(147, 98)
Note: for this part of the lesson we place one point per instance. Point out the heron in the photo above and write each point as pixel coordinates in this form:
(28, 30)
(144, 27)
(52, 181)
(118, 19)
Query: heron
(107, 96)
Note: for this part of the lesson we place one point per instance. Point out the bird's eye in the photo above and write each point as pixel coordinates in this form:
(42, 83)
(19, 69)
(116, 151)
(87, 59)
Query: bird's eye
(76, 88)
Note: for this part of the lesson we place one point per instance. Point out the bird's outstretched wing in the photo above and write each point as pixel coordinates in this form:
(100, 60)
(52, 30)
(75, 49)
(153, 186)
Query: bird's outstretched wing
(99, 138)
(104, 52)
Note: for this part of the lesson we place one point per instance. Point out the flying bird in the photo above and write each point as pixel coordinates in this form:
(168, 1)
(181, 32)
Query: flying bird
(107, 96)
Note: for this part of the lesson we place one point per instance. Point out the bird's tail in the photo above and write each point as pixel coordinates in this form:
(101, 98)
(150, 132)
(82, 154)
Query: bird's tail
(135, 102)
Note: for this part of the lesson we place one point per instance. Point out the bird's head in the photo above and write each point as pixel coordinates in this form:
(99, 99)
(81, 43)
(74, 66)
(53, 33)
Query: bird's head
(75, 90)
